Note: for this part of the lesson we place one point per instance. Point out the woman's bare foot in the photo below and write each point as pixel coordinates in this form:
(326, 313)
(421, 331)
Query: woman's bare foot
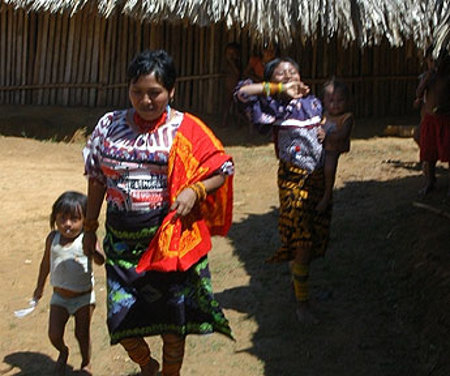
(427, 188)
(304, 315)
(61, 362)
(150, 369)
(85, 370)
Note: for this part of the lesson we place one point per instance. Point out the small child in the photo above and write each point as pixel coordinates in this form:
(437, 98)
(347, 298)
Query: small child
(232, 72)
(338, 124)
(71, 277)
(255, 67)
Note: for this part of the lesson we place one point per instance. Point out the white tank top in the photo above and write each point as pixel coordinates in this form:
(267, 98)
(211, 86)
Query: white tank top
(70, 268)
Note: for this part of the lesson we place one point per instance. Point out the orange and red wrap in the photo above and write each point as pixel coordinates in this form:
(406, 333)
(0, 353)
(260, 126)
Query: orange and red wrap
(195, 155)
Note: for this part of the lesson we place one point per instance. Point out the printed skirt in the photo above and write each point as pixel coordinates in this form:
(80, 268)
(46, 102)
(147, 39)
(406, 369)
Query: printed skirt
(300, 225)
(155, 303)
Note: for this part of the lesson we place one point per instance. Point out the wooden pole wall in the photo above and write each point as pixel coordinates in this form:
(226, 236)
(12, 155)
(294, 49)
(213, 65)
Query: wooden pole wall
(55, 59)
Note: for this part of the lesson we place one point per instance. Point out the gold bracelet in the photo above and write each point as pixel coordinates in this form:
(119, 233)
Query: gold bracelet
(200, 190)
(280, 87)
(266, 88)
(273, 88)
(90, 225)
(195, 189)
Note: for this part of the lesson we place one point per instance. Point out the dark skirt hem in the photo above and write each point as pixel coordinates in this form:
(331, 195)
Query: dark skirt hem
(155, 330)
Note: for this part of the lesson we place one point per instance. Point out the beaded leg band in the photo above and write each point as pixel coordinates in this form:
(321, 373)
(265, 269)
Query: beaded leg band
(173, 353)
(137, 350)
(300, 273)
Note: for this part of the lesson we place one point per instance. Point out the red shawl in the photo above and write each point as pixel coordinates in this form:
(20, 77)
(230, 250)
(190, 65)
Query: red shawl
(179, 243)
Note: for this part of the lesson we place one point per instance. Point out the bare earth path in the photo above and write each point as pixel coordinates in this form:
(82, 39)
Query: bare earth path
(382, 291)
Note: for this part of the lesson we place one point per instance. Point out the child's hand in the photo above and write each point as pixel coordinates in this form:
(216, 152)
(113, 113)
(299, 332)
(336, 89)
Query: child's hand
(98, 256)
(417, 102)
(321, 134)
(37, 294)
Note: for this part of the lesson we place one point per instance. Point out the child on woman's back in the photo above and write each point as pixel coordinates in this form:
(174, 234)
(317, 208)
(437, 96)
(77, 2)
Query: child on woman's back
(71, 277)
(338, 123)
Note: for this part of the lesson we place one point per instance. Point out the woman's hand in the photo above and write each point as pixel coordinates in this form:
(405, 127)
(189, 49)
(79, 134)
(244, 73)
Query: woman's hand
(89, 243)
(323, 205)
(98, 256)
(295, 89)
(184, 202)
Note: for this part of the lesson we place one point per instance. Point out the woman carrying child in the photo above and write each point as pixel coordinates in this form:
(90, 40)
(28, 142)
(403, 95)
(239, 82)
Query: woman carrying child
(283, 103)
(71, 277)
(168, 188)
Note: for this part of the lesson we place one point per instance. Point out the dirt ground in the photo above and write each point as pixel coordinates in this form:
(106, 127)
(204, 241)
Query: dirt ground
(382, 293)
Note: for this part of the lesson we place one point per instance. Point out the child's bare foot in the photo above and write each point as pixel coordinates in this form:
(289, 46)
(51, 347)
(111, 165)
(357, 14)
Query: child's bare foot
(61, 362)
(305, 316)
(150, 369)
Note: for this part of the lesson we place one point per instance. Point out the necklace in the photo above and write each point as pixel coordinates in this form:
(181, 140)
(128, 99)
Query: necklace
(146, 126)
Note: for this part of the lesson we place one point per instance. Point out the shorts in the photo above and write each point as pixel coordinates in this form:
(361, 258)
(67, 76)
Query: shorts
(72, 305)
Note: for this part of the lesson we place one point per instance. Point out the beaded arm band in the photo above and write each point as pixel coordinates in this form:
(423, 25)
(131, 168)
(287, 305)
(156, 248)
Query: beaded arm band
(271, 88)
(90, 225)
(199, 189)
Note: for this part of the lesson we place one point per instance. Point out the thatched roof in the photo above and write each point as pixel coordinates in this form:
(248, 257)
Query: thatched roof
(365, 22)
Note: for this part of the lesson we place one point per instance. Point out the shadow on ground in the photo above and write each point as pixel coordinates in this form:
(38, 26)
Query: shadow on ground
(379, 292)
(27, 363)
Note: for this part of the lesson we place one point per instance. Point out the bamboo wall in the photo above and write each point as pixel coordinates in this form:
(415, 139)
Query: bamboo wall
(55, 59)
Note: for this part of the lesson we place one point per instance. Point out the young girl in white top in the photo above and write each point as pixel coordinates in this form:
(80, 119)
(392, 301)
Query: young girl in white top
(71, 277)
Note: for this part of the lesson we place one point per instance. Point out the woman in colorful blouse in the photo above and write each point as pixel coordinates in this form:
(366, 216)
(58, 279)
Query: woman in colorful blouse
(283, 103)
(168, 188)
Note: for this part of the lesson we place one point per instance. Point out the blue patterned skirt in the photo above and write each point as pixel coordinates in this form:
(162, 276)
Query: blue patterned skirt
(154, 303)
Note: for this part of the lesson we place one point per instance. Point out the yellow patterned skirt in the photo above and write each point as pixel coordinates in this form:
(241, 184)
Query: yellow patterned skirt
(300, 225)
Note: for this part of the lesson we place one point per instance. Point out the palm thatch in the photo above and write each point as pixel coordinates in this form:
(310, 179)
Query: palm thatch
(365, 22)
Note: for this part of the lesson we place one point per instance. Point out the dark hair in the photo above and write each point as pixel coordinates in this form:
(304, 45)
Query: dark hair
(338, 86)
(153, 61)
(272, 64)
(70, 202)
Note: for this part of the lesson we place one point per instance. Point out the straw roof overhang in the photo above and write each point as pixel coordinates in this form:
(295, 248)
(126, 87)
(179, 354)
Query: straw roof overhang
(365, 22)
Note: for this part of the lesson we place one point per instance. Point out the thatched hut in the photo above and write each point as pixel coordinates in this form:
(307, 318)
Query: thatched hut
(74, 53)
